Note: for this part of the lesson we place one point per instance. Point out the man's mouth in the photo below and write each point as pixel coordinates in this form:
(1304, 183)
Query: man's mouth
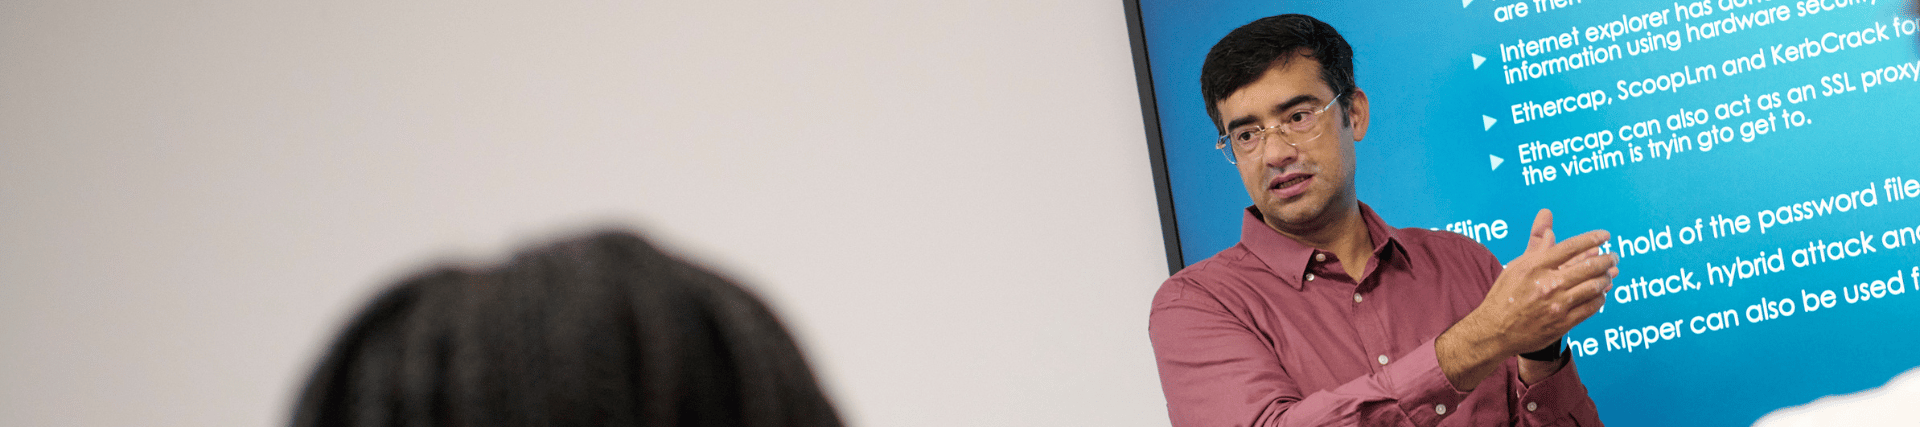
(1289, 181)
(1290, 185)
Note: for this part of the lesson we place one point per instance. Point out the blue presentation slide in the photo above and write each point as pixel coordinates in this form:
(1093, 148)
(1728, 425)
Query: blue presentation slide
(1757, 162)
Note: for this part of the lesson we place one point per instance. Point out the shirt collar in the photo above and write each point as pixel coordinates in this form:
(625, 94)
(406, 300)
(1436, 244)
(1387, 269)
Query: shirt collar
(1288, 258)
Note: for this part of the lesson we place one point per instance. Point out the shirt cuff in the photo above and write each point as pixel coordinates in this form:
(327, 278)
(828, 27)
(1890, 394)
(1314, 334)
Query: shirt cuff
(1558, 397)
(1424, 392)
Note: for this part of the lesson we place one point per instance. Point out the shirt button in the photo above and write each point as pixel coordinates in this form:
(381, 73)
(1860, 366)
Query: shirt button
(1440, 409)
(1309, 277)
(1383, 359)
(1532, 406)
(1357, 297)
(1319, 257)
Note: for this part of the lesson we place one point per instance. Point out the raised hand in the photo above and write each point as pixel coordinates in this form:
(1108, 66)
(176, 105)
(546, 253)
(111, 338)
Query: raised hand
(1542, 294)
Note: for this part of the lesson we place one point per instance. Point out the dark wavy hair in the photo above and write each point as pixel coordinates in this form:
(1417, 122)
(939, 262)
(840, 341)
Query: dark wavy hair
(602, 330)
(1248, 52)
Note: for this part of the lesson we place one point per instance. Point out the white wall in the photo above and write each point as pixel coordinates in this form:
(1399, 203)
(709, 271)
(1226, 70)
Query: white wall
(948, 201)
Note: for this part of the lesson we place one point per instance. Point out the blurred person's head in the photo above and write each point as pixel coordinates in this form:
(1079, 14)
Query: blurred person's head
(603, 330)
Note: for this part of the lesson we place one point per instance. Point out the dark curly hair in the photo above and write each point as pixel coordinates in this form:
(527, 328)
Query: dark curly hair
(602, 330)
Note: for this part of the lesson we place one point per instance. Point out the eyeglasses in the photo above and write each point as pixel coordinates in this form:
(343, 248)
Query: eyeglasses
(1293, 130)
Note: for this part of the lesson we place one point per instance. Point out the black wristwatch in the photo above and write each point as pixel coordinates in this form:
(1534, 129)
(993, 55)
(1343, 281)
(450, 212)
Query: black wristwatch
(1549, 354)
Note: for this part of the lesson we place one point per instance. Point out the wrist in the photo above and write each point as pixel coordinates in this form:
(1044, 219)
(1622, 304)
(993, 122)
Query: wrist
(1534, 371)
(1551, 353)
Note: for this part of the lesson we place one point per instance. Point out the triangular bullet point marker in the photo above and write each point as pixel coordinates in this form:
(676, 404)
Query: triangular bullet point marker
(1496, 161)
(1487, 122)
(1477, 59)
(1464, 3)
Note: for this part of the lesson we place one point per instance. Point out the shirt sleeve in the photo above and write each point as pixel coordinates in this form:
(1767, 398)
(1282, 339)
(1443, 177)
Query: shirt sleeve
(1216, 371)
(1558, 400)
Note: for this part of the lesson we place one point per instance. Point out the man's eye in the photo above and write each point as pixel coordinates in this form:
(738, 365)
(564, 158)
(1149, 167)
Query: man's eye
(1243, 136)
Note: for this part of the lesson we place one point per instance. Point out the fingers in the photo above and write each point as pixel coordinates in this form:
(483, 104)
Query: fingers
(1593, 288)
(1560, 253)
(1542, 235)
(1582, 302)
(1572, 279)
(1584, 310)
(1583, 256)
(1592, 267)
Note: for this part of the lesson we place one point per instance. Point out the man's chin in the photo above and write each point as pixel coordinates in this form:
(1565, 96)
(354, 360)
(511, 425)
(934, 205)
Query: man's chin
(1296, 215)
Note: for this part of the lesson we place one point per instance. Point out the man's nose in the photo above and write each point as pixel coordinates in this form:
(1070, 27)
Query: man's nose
(1276, 152)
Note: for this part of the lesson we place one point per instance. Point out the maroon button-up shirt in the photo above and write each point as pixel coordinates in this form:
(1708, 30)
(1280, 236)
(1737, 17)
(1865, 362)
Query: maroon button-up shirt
(1272, 332)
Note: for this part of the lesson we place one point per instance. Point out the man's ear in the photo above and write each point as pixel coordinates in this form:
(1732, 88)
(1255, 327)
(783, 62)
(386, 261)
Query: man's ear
(1357, 113)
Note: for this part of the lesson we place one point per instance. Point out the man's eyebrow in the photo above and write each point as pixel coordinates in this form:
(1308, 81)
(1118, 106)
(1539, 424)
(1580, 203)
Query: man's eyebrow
(1295, 101)
(1278, 108)
(1242, 121)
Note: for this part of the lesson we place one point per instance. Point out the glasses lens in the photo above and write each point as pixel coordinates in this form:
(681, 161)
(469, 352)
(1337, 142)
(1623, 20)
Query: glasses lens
(1304, 126)
(1295, 139)
(1302, 121)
